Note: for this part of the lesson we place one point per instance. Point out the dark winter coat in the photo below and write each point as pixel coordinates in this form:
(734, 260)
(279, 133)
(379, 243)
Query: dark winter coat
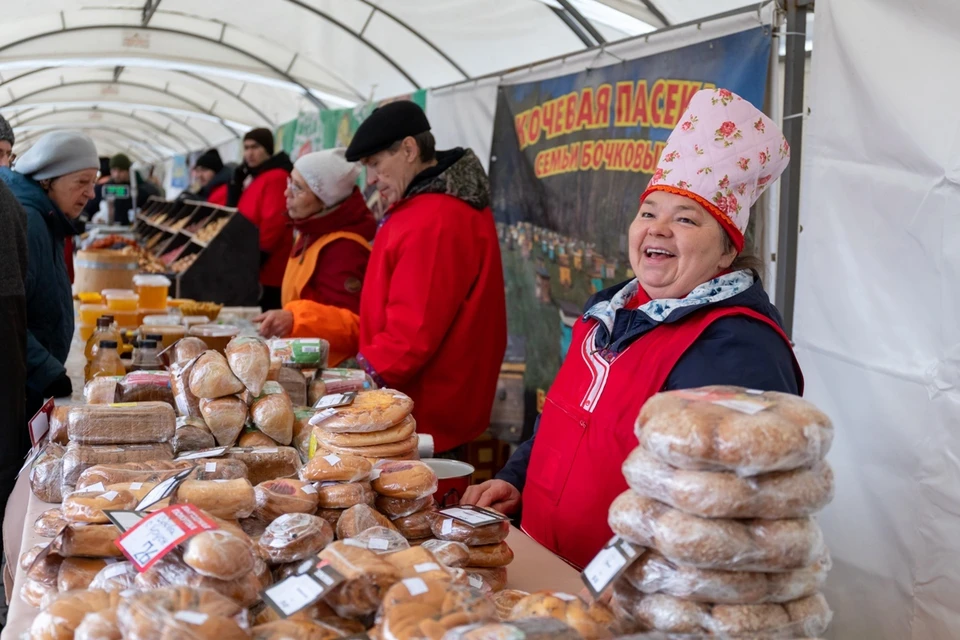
(47, 286)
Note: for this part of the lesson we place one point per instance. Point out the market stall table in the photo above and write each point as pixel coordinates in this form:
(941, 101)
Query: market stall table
(533, 568)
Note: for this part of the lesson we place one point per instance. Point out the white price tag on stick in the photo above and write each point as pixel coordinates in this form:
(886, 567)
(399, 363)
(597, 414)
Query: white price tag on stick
(474, 516)
(299, 591)
(608, 565)
(163, 490)
(157, 534)
(335, 400)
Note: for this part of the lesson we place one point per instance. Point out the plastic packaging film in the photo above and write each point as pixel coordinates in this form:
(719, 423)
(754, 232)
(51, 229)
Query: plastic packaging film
(294, 537)
(182, 612)
(418, 609)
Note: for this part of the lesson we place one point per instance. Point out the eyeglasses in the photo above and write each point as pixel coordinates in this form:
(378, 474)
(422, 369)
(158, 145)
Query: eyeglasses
(293, 187)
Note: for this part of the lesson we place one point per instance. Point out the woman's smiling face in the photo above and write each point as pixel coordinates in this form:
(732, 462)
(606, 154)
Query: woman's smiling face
(675, 246)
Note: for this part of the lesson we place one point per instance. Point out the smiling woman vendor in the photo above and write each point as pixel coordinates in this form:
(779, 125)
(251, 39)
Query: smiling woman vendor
(695, 315)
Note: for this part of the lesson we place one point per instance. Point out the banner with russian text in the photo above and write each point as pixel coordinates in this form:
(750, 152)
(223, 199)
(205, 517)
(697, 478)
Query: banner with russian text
(571, 156)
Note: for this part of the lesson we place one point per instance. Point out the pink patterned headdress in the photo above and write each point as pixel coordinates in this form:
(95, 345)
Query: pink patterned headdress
(724, 153)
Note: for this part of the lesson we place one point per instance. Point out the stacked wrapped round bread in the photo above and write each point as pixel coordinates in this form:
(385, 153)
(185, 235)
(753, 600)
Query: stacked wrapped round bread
(723, 488)
(488, 553)
(377, 425)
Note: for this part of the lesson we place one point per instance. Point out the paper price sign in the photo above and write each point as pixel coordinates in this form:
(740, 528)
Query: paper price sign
(163, 490)
(124, 520)
(473, 516)
(608, 565)
(157, 534)
(334, 400)
(299, 591)
(216, 452)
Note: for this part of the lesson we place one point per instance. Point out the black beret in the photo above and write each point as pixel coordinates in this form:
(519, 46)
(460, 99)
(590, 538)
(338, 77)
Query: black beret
(388, 124)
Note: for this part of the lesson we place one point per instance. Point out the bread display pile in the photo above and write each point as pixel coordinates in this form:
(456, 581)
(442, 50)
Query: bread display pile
(723, 488)
(376, 425)
(488, 554)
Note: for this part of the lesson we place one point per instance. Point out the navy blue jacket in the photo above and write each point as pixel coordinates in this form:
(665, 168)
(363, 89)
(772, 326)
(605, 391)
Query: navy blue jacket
(49, 294)
(733, 350)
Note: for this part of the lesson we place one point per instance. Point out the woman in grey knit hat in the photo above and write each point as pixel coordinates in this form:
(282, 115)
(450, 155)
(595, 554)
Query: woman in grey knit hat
(52, 181)
(7, 141)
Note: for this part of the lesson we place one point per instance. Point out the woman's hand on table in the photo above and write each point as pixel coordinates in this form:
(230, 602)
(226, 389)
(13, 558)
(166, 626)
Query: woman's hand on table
(495, 494)
(275, 324)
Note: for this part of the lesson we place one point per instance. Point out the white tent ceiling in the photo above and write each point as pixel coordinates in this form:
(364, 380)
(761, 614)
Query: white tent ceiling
(156, 77)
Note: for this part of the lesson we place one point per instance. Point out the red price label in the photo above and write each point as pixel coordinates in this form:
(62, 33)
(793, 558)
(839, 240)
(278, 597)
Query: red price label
(157, 534)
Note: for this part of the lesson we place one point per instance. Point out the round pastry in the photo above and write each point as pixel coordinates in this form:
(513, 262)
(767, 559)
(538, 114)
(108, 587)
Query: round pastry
(343, 495)
(295, 630)
(60, 618)
(397, 450)
(506, 600)
(358, 519)
(417, 562)
(293, 537)
(491, 555)
(731, 545)
(406, 479)
(256, 439)
(711, 494)
(807, 617)
(219, 554)
(652, 573)
(493, 577)
(395, 508)
(50, 523)
(159, 614)
(445, 528)
(88, 506)
(450, 554)
(376, 410)
(416, 608)
(229, 499)
(245, 590)
(417, 525)
(733, 429)
(275, 498)
(367, 577)
(397, 433)
(591, 621)
(332, 467)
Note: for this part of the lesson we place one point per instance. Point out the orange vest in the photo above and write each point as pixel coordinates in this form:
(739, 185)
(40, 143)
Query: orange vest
(340, 327)
(300, 269)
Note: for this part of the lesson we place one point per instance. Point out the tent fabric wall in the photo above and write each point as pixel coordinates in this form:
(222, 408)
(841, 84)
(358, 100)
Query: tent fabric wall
(462, 116)
(877, 303)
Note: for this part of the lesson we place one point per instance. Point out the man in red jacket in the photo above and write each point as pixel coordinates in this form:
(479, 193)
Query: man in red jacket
(257, 190)
(432, 311)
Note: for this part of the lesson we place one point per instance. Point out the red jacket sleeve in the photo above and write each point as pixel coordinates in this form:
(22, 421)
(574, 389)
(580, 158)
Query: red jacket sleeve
(435, 266)
(219, 196)
(338, 275)
(272, 219)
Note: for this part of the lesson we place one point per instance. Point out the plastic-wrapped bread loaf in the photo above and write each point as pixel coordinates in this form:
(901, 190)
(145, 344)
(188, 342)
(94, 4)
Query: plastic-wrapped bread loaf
(591, 621)
(102, 390)
(88, 506)
(46, 473)
(101, 625)
(186, 404)
(367, 575)
(370, 411)
(135, 423)
(230, 499)
(343, 495)
(251, 438)
(78, 573)
(211, 377)
(188, 348)
(224, 417)
(272, 413)
(405, 479)
(182, 612)
(249, 359)
(711, 494)
(268, 463)
(58, 425)
(80, 457)
(358, 519)
(117, 473)
(146, 386)
(417, 562)
(416, 609)
(118, 576)
(734, 429)
(652, 573)
(806, 617)
(60, 618)
(446, 528)
(88, 541)
(192, 434)
(219, 554)
(294, 537)
(733, 545)
(49, 523)
(219, 469)
(277, 497)
(529, 629)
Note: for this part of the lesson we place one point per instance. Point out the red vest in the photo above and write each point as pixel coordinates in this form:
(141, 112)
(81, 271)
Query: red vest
(587, 430)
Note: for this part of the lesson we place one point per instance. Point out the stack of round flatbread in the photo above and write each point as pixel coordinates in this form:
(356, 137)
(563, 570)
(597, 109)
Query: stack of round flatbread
(723, 489)
(376, 425)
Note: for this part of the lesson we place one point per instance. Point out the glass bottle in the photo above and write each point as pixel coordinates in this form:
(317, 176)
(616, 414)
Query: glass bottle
(146, 356)
(107, 361)
(105, 331)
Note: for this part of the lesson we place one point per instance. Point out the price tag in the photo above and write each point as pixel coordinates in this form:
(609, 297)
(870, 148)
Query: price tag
(473, 516)
(110, 496)
(124, 520)
(40, 423)
(94, 487)
(191, 617)
(335, 400)
(332, 459)
(566, 597)
(157, 534)
(321, 416)
(608, 565)
(416, 586)
(424, 567)
(750, 402)
(309, 488)
(378, 544)
(136, 486)
(210, 467)
(475, 581)
(215, 452)
(114, 570)
(301, 590)
(163, 490)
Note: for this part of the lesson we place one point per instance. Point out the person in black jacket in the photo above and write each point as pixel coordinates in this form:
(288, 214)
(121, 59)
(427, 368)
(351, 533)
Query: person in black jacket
(121, 173)
(211, 176)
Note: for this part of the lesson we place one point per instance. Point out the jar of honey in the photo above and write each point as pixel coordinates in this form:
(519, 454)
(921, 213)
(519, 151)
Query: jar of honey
(153, 290)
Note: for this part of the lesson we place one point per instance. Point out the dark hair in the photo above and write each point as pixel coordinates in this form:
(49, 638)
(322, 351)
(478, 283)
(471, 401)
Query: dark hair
(743, 260)
(426, 145)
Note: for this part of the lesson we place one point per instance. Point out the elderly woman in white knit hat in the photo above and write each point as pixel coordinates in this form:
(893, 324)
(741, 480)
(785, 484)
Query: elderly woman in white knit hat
(53, 181)
(334, 228)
